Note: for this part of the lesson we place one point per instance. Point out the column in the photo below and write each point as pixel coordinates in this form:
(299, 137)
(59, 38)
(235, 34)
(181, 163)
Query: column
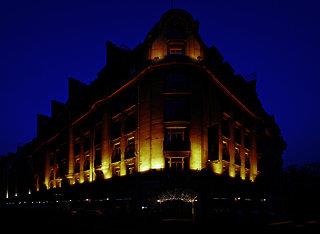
(105, 147)
(71, 157)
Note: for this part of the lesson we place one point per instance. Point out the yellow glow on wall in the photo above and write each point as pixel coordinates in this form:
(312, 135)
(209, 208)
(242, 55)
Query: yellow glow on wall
(232, 172)
(123, 170)
(157, 164)
(217, 167)
(243, 174)
(195, 159)
(107, 174)
(144, 167)
(158, 49)
(193, 49)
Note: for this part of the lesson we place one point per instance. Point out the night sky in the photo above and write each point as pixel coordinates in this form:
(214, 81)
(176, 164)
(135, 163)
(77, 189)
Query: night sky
(42, 43)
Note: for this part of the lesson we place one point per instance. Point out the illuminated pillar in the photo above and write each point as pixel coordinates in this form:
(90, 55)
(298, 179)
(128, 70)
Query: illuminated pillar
(242, 156)
(144, 127)
(81, 158)
(196, 133)
(217, 166)
(47, 169)
(123, 144)
(105, 147)
(232, 172)
(253, 167)
(70, 175)
(157, 128)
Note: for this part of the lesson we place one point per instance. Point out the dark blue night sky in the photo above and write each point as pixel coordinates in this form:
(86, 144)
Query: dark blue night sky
(42, 43)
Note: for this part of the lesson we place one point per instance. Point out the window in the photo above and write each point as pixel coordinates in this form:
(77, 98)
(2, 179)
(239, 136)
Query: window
(177, 139)
(247, 141)
(115, 130)
(177, 82)
(86, 163)
(98, 135)
(130, 124)
(237, 157)
(237, 135)
(86, 144)
(225, 129)
(247, 160)
(177, 109)
(52, 159)
(77, 165)
(213, 143)
(51, 175)
(97, 157)
(130, 169)
(116, 153)
(116, 171)
(176, 50)
(130, 149)
(63, 169)
(225, 151)
(76, 149)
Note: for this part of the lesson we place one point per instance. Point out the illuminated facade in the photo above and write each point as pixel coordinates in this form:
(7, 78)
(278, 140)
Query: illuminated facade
(170, 104)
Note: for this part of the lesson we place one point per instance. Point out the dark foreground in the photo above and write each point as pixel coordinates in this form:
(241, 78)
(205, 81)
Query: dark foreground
(23, 220)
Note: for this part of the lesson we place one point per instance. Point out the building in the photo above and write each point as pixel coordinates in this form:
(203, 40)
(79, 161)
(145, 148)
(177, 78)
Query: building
(172, 104)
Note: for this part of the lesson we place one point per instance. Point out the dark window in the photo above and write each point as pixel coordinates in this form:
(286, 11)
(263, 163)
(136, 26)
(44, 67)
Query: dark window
(76, 149)
(86, 143)
(176, 139)
(176, 50)
(63, 169)
(247, 161)
(177, 109)
(116, 153)
(130, 149)
(115, 130)
(237, 156)
(237, 135)
(52, 159)
(130, 169)
(225, 129)
(51, 175)
(247, 141)
(77, 166)
(130, 124)
(177, 82)
(116, 171)
(225, 152)
(213, 143)
(97, 157)
(98, 136)
(86, 163)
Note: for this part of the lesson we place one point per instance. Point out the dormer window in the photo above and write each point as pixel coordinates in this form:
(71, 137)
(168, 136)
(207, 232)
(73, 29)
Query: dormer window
(176, 48)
